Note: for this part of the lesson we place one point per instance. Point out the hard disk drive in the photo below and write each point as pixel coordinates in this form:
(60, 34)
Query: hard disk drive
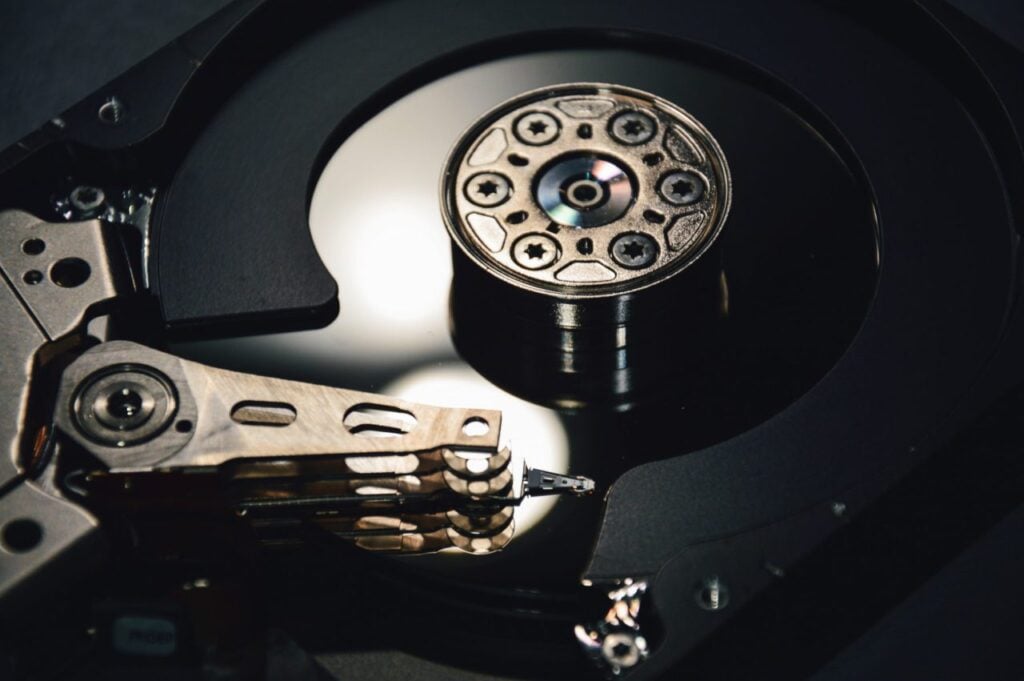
(545, 340)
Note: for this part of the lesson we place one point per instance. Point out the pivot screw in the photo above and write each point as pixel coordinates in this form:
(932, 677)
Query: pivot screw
(681, 188)
(537, 128)
(535, 251)
(124, 405)
(632, 127)
(488, 189)
(634, 251)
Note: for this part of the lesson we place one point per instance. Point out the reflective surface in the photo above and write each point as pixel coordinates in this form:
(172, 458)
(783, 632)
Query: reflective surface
(584, 191)
(644, 178)
(799, 257)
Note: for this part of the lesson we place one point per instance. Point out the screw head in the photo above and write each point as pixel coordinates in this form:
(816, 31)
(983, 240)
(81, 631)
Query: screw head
(536, 128)
(86, 199)
(535, 251)
(622, 649)
(681, 188)
(632, 128)
(488, 189)
(634, 251)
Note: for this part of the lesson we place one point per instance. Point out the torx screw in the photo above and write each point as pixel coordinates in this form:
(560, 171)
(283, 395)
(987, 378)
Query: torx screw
(681, 188)
(537, 128)
(632, 127)
(488, 189)
(535, 251)
(86, 199)
(634, 250)
(623, 649)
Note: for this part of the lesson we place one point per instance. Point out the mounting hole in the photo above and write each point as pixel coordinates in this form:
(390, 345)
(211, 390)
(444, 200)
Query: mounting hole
(585, 131)
(477, 466)
(70, 272)
(517, 160)
(111, 112)
(32, 277)
(33, 246)
(21, 535)
(518, 217)
(711, 594)
(585, 246)
(183, 426)
(476, 427)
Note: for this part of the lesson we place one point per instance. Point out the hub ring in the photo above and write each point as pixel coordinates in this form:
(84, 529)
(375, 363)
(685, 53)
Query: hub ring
(608, 181)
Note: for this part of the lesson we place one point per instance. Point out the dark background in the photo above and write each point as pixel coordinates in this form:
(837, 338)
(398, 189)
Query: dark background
(967, 618)
(55, 52)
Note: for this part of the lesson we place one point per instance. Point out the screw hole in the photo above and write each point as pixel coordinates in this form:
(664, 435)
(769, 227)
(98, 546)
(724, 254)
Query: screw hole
(584, 193)
(111, 112)
(712, 594)
(585, 131)
(477, 466)
(183, 426)
(517, 160)
(21, 535)
(32, 277)
(585, 246)
(518, 217)
(476, 427)
(70, 272)
(33, 246)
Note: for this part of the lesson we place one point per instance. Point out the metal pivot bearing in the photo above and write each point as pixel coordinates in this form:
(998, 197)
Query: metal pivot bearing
(586, 190)
(124, 405)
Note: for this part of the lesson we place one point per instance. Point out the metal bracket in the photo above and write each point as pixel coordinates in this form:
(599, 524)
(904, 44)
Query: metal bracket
(53, 275)
(222, 416)
(388, 474)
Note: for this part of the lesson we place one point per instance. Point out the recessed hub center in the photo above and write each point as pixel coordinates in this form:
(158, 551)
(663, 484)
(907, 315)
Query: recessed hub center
(584, 190)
